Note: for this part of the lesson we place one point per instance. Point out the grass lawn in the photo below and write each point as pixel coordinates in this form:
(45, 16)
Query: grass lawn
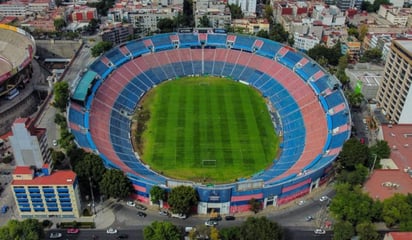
(208, 118)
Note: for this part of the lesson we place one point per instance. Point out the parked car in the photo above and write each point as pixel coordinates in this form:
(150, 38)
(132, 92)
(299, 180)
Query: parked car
(130, 203)
(111, 231)
(301, 202)
(324, 198)
(140, 207)
(309, 218)
(230, 218)
(179, 215)
(163, 213)
(319, 231)
(55, 235)
(141, 214)
(54, 142)
(4, 209)
(73, 231)
(210, 223)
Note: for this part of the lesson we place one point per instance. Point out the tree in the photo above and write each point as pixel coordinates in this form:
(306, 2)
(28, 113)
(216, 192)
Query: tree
(230, 233)
(367, 6)
(235, 11)
(182, 198)
(355, 98)
(161, 231)
(204, 232)
(354, 178)
(166, 25)
(396, 210)
(260, 228)
(90, 171)
(372, 55)
(331, 54)
(75, 155)
(363, 30)
(343, 230)
(157, 194)
(377, 3)
(278, 33)
(29, 229)
(115, 184)
(353, 152)
(367, 230)
(381, 149)
(59, 119)
(204, 21)
(351, 204)
(353, 31)
(57, 157)
(268, 13)
(59, 23)
(263, 34)
(188, 19)
(100, 48)
(255, 205)
(61, 95)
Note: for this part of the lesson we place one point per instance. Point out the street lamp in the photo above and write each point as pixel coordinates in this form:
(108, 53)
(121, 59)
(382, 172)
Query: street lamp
(92, 194)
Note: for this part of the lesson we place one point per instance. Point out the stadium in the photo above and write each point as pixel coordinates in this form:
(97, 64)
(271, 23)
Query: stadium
(17, 49)
(310, 113)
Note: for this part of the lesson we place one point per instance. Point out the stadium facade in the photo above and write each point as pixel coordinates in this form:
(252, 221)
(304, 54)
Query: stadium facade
(311, 113)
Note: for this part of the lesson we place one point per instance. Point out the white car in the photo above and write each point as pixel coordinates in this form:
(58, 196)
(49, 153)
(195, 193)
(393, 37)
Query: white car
(210, 223)
(324, 198)
(319, 231)
(131, 203)
(111, 231)
(163, 213)
(55, 235)
(301, 202)
(179, 215)
(54, 142)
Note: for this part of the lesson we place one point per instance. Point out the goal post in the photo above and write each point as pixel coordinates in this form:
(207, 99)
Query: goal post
(209, 163)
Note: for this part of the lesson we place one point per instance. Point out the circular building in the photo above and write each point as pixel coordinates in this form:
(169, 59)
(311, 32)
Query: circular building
(310, 112)
(17, 49)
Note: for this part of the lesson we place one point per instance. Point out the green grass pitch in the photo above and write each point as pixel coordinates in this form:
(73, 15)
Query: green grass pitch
(208, 118)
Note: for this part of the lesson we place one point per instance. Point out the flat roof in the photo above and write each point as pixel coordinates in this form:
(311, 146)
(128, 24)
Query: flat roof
(385, 183)
(399, 138)
(406, 44)
(65, 177)
(23, 170)
(83, 86)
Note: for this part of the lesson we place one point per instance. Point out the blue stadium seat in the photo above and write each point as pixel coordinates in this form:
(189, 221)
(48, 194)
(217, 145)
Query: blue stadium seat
(197, 67)
(335, 98)
(269, 48)
(338, 140)
(308, 70)
(322, 83)
(188, 40)
(290, 59)
(100, 68)
(208, 67)
(116, 57)
(162, 42)
(178, 68)
(81, 139)
(218, 40)
(137, 48)
(244, 43)
(340, 119)
(76, 117)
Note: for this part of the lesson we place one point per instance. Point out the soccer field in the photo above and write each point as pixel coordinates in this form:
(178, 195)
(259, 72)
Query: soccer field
(207, 129)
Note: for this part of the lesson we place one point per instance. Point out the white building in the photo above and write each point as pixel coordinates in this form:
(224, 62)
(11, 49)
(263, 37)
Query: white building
(217, 12)
(330, 16)
(305, 42)
(29, 144)
(248, 6)
(396, 16)
(146, 19)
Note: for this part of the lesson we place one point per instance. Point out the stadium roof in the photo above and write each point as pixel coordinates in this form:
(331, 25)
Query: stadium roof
(84, 84)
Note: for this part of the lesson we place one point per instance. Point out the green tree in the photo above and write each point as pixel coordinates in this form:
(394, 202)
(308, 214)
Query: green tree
(381, 149)
(255, 205)
(396, 210)
(263, 34)
(28, 229)
(351, 204)
(377, 3)
(363, 30)
(204, 232)
(353, 31)
(268, 13)
(90, 171)
(100, 48)
(204, 21)
(230, 233)
(331, 54)
(260, 228)
(61, 95)
(166, 25)
(367, 231)
(353, 153)
(182, 198)
(161, 231)
(188, 18)
(372, 55)
(57, 157)
(59, 119)
(157, 193)
(59, 23)
(343, 230)
(115, 184)
(355, 177)
(236, 11)
(355, 98)
(75, 155)
(367, 6)
(278, 33)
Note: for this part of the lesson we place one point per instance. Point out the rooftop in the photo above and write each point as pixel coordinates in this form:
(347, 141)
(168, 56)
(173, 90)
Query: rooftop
(65, 177)
(385, 183)
(399, 235)
(406, 44)
(22, 170)
(399, 138)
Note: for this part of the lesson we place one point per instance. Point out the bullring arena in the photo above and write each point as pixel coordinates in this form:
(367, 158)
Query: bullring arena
(310, 111)
(17, 49)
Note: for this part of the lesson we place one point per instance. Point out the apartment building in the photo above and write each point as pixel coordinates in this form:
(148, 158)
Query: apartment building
(116, 33)
(251, 25)
(40, 193)
(396, 16)
(248, 6)
(29, 143)
(146, 19)
(329, 15)
(217, 12)
(305, 42)
(25, 7)
(395, 92)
